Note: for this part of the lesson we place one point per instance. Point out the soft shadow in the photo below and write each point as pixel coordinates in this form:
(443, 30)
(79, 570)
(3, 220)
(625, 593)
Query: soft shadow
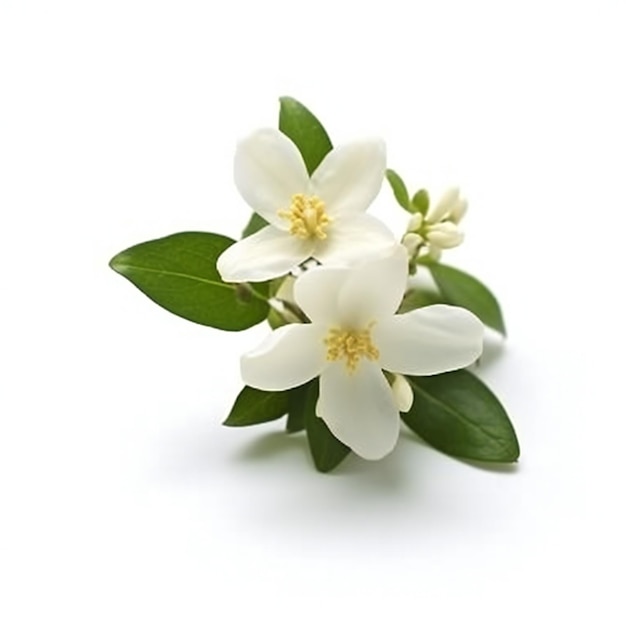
(496, 468)
(269, 445)
(487, 466)
(493, 348)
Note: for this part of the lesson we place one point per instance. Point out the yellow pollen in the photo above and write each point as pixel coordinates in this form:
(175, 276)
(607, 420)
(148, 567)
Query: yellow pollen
(307, 216)
(351, 345)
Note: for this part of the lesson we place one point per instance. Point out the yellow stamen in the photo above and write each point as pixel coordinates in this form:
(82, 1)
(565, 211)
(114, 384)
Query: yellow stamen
(351, 345)
(308, 217)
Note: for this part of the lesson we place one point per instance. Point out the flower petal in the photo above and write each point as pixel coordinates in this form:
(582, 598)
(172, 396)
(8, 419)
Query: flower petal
(359, 409)
(430, 340)
(264, 255)
(290, 356)
(374, 289)
(269, 170)
(317, 293)
(350, 177)
(351, 239)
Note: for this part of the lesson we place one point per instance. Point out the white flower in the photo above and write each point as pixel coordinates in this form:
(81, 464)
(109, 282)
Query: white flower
(321, 216)
(354, 336)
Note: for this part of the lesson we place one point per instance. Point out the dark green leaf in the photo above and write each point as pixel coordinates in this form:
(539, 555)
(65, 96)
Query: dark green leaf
(417, 298)
(463, 290)
(296, 416)
(254, 406)
(178, 273)
(399, 190)
(457, 414)
(326, 450)
(255, 224)
(420, 202)
(305, 130)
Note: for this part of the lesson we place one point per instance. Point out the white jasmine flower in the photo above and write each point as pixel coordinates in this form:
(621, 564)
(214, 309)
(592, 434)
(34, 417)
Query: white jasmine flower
(322, 216)
(354, 336)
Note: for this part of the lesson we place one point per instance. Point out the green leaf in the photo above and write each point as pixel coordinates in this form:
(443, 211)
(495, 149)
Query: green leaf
(326, 450)
(456, 413)
(305, 130)
(399, 190)
(296, 417)
(418, 298)
(178, 273)
(420, 202)
(461, 289)
(255, 224)
(254, 406)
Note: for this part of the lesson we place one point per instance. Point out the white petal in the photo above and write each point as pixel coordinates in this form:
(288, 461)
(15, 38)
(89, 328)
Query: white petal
(317, 293)
(430, 340)
(354, 238)
(444, 206)
(350, 177)
(264, 255)
(269, 170)
(374, 289)
(402, 393)
(289, 357)
(359, 408)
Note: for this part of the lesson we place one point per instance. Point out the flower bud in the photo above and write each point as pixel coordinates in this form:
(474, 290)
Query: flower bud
(445, 235)
(415, 223)
(444, 206)
(402, 393)
(458, 210)
(411, 241)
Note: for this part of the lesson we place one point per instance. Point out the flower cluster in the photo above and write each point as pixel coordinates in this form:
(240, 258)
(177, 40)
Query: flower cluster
(356, 345)
(352, 335)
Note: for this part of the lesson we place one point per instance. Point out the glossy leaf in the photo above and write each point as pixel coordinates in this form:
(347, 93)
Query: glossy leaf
(254, 406)
(255, 223)
(178, 273)
(327, 451)
(456, 413)
(305, 130)
(461, 289)
(399, 190)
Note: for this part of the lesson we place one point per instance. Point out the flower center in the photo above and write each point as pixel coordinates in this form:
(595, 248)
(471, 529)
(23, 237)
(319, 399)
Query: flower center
(307, 216)
(351, 345)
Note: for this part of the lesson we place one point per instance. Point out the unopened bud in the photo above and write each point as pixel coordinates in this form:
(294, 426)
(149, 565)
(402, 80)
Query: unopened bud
(445, 235)
(402, 393)
(415, 223)
(411, 241)
(444, 206)
(458, 210)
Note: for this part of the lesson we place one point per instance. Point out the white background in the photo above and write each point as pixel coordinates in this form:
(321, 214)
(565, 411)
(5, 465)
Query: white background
(124, 501)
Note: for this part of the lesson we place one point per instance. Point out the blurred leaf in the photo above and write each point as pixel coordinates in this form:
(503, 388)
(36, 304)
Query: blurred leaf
(420, 202)
(418, 298)
(399, 190)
